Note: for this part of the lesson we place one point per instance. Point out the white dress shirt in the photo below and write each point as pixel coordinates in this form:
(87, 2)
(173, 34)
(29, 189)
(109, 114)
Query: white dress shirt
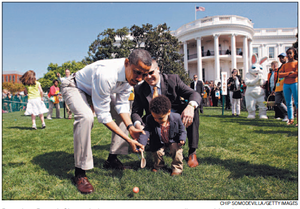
(102, 79)
(61, 79)
(195, 85)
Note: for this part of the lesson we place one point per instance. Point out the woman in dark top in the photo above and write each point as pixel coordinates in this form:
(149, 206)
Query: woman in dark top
(234, 84)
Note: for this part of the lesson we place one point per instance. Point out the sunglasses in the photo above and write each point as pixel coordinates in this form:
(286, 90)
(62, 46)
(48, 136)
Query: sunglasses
(143, 74)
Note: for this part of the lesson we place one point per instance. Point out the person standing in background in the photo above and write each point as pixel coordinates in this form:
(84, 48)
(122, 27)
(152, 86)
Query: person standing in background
(68, 73)
(271, 85)
(289, 72)
(234, 84)
(35, 105)
(198, 86)
(279, 97)
(53, 100)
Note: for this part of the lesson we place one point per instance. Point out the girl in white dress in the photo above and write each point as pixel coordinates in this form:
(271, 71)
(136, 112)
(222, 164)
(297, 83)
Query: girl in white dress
(35, 105)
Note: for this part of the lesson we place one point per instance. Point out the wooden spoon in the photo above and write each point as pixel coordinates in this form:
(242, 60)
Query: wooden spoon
(143, 161)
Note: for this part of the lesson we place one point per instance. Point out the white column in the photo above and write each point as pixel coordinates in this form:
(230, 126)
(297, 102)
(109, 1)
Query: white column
(185, 56)
(233, 52)
(245, 54)
(199, 59)
(250, 52)
(217, 61)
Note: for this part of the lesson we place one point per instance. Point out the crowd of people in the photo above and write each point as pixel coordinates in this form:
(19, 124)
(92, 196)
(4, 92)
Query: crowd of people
(212, 93)
(280, 87)
(130, 96)
(11, 101)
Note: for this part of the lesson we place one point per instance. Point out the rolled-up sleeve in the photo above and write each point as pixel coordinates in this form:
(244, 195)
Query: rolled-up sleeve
(122, 103)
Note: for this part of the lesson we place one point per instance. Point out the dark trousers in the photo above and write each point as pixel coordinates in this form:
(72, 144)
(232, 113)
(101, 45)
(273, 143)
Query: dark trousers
(279, 101)
(193, 131)
(227, 101)
(278, 113)
(215, 101)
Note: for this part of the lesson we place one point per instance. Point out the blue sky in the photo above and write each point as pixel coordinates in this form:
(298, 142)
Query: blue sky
(37, 34)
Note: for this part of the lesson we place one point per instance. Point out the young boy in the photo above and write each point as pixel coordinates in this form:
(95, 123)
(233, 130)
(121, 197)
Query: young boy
(165, 129)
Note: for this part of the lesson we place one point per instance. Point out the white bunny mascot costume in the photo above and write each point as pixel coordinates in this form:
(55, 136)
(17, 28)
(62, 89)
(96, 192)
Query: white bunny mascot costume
(254, 93)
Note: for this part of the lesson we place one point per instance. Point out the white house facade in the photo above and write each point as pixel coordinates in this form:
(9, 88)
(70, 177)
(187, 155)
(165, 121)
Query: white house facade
(235, 40)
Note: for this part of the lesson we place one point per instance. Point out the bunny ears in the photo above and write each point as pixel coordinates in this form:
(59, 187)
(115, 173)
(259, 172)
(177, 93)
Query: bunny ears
(254, 59)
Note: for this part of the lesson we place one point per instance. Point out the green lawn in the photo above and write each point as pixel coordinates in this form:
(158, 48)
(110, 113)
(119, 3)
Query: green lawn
(239, 159)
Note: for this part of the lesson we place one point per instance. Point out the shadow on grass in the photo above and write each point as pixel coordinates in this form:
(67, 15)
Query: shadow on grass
(101, 147)
(21, 128)
(289, 133)
(239, 169)
(242, 120)
(61, 164)
(56, 163)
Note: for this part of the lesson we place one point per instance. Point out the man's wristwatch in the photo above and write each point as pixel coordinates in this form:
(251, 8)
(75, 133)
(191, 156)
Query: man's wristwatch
(129, 126)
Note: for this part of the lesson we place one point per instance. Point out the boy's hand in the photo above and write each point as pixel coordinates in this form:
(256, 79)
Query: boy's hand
(139, 126)
(181, 143)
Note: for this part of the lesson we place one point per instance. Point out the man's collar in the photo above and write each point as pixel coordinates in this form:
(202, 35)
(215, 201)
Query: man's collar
(158, 83)
(121, 71)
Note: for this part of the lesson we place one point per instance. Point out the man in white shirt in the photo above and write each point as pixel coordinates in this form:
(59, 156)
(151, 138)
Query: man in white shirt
(60, 79)
(108, 84)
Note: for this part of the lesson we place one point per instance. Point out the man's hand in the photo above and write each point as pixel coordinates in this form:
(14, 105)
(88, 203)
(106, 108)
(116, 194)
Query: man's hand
(135, 133)
(187, 116)
(134, 144)
(57, 74)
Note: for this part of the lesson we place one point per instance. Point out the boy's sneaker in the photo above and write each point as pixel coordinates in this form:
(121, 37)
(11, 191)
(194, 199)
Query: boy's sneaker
(34, 127)
(43, 126)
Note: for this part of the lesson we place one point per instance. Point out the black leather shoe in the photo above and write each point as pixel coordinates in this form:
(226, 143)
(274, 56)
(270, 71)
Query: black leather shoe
(114, 164)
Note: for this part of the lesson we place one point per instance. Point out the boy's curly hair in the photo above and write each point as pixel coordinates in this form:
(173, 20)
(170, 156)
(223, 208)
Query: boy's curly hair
(160, 105)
